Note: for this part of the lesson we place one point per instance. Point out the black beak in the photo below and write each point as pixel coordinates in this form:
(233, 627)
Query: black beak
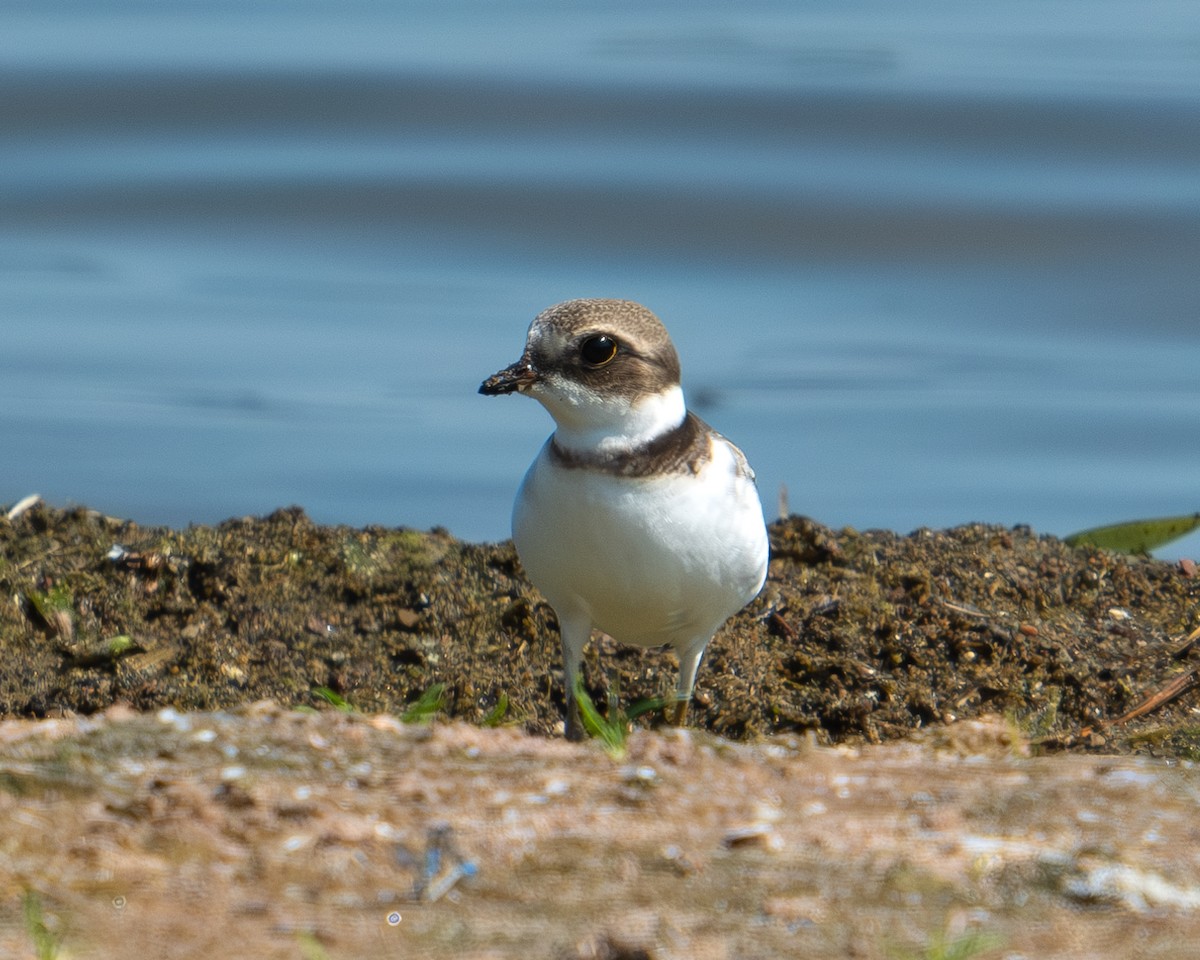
(514, 378)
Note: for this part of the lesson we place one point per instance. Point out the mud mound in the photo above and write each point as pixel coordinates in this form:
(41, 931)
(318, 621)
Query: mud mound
(857, 636)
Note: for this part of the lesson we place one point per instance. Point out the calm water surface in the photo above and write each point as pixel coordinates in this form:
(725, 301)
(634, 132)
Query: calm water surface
(926, 266)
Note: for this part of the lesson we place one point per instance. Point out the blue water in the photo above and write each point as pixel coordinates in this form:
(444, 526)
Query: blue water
(926, 263)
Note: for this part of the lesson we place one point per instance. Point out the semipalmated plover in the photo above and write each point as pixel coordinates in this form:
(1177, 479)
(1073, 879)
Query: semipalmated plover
(637, 518)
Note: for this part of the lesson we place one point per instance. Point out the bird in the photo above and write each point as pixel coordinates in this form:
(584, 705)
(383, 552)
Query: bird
(636, 518)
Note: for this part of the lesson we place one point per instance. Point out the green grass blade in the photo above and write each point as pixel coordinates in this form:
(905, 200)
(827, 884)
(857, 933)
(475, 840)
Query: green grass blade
(610, 731)
(333, 699)
(310, 947)
(45, 944)
(425, 706)
(496, 715)
(1136, 536)
(649, 705)
(939, 946)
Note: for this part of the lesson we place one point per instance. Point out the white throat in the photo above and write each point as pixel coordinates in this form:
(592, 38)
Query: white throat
(614, 424)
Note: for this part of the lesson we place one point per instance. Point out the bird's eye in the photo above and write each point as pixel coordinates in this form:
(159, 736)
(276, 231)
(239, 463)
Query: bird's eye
(598, 350)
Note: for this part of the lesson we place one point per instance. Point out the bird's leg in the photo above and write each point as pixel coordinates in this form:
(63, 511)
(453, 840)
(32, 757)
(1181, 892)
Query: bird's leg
(689, 663)
(575, 633)
(574, 724)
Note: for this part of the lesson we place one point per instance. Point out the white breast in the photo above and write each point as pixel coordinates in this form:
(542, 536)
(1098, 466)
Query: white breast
(648, 560)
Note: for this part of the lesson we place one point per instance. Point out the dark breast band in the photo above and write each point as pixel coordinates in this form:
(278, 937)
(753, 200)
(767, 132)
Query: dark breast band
(685, 449)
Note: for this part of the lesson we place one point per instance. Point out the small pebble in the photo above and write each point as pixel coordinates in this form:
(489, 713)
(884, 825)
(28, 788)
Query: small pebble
(755, 835)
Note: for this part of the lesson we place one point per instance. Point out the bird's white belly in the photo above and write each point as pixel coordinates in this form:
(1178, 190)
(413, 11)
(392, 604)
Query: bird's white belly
(647, 560)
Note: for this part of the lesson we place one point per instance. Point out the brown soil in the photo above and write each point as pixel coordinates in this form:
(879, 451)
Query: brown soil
(857, 636)
(150, 824)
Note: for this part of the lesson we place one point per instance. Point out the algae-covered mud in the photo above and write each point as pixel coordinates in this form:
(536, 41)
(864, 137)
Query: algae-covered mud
(856, 636)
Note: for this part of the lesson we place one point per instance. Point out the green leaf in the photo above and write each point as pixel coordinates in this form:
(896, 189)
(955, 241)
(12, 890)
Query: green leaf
(1136, 536)
(120, 645)
(57, 598)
